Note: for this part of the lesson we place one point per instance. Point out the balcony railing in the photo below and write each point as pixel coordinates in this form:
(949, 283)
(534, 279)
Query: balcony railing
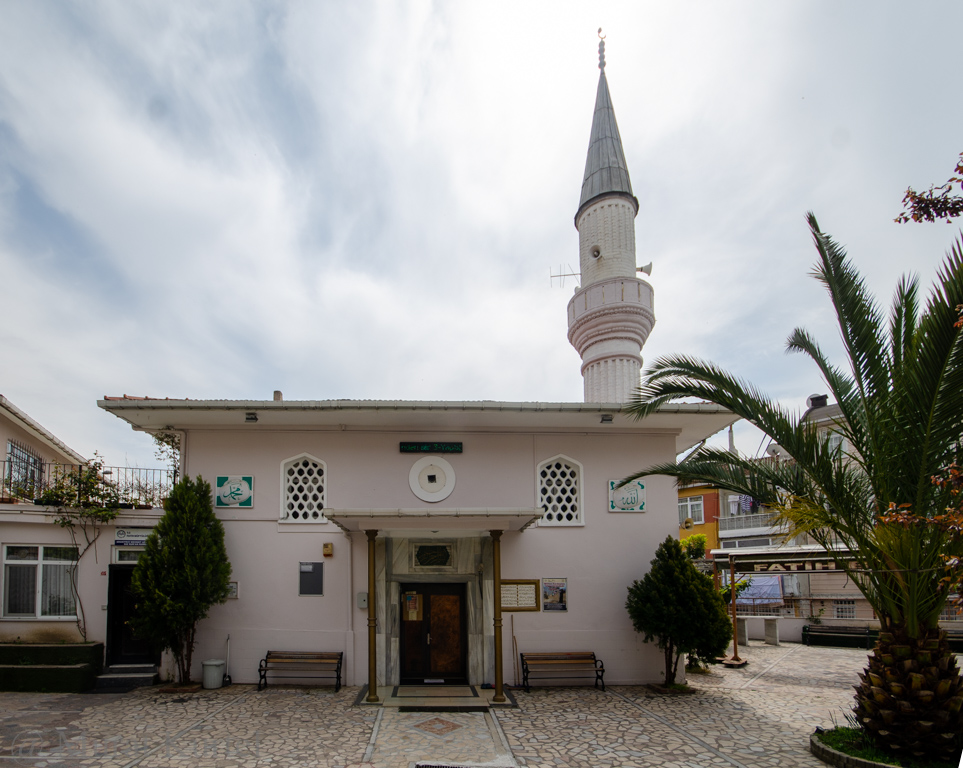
(742, 522)
(84, 485)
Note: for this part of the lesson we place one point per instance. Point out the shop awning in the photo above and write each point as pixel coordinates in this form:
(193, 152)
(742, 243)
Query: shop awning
(781, 560)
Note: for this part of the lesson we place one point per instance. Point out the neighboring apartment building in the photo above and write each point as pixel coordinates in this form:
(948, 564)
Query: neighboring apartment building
(29, 447)
(38, 599)
(750, 530)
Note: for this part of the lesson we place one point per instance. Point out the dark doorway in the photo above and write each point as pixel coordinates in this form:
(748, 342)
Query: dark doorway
(434, 638)
(122, 646)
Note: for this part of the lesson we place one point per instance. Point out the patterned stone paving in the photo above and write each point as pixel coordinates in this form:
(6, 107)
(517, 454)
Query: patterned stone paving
(759, 716)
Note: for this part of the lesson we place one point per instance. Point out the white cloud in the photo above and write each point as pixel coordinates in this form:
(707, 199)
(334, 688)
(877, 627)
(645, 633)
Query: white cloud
(365, 200)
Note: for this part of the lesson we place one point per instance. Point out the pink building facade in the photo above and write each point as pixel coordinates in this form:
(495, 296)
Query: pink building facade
(432, 485)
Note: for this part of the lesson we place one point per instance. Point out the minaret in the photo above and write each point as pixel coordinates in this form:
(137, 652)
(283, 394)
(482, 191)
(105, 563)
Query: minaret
(611, 315)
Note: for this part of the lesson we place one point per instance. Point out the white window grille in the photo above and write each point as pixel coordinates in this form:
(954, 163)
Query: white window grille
(303, 484)
(690, 506)
(844, 609)
(951, 612)
(560, 491)
(37, 581)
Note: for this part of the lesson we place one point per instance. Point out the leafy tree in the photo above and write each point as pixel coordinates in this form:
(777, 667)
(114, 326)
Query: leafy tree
(936, 202)
(167, 449)
(85, 502)
(183, 571)
(680, 608)
(695, 546)
(901, 402)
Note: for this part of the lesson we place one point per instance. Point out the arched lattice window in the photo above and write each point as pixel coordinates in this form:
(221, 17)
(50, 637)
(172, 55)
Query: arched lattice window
(560, 491)
(303, 482)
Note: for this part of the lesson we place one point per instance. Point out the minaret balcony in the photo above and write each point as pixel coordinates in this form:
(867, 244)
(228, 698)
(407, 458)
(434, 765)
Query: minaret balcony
(619, 308)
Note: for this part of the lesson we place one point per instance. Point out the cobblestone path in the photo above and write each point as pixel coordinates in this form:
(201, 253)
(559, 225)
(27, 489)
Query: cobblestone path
(759, 716)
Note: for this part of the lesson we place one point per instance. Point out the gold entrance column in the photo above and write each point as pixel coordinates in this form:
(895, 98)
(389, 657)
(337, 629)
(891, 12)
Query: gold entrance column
(372, 623)
(497, 567)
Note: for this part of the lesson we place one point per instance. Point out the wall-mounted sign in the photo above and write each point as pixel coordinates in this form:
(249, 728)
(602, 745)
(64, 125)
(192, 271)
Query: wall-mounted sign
(554, 594)
(232, 590)
(412, 607)
(131, 537)
(234, 491)
(430, 447)
(520, 595)
(310, 578)
(629, 498)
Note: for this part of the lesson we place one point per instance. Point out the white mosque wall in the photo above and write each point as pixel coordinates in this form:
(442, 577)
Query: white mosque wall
(496, 470)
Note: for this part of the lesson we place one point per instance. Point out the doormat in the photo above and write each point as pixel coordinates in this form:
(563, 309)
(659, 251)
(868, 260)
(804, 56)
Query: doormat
(458, 765)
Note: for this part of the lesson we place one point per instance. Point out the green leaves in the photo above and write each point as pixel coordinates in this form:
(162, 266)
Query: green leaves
(679, 608)
(899, 394)
(183, 571)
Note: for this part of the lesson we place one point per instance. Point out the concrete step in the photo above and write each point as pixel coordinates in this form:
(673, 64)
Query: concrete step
(126, 677)
(130, 669)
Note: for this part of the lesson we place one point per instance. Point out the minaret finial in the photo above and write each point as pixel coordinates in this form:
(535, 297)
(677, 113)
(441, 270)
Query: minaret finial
(601, 50)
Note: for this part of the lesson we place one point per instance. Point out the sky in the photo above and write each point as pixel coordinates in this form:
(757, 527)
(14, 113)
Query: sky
(367, 200)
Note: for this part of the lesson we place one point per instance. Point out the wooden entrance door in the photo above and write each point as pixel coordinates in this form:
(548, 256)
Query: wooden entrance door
(434, 640)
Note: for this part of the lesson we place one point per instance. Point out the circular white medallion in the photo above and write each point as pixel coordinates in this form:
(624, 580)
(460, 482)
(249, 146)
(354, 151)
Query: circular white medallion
(431, 479)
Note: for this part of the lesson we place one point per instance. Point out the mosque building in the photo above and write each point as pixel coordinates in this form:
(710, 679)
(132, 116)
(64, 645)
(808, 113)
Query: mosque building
(432, 541)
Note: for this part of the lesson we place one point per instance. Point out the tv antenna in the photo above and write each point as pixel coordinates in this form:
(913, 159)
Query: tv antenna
(560, 276)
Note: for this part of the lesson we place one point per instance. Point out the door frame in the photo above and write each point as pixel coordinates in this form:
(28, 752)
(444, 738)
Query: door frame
(115, 614)
(458, 588)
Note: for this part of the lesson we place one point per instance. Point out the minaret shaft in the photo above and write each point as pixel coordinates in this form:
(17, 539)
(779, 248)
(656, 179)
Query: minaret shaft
(611, 314)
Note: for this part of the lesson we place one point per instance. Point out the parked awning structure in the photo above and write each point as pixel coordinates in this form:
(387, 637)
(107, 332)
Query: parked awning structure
(782, 560)
(500, 519)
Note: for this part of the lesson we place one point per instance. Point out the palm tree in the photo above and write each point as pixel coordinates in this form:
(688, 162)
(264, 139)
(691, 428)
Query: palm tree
(901, 400)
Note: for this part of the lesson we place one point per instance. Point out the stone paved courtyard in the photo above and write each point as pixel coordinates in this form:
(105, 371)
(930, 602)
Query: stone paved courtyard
(754, 717)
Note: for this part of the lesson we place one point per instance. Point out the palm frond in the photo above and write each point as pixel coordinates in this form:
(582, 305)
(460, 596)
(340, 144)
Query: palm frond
(901, 411)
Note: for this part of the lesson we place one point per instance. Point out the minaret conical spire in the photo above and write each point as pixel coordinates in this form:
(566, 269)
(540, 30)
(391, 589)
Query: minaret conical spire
(606, 172)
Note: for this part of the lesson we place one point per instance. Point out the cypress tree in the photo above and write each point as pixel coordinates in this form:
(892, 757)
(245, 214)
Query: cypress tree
(183, 571)
(679, 608)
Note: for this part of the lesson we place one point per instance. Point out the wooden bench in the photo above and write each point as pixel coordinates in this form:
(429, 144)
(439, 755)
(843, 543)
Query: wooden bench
(841, 637)
(561, 666)
(301, 664)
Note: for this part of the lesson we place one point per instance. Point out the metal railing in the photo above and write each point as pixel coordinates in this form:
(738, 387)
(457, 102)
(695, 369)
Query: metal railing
(742, 522)
(50, 484)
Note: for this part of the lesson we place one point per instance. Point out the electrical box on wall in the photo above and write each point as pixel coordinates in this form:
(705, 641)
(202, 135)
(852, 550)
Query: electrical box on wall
(327, 549)
(362, 599)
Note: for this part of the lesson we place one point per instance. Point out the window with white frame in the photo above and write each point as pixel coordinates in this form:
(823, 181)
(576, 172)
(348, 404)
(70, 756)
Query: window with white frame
(733, 504)
(951, 612)
(37, 581)
(303, 483)
(835, 442)
(690, 506)
(753, 542)
(844, 609)
(560, 491)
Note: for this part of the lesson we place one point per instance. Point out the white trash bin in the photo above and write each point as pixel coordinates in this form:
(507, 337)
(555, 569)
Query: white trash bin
(213, 672)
